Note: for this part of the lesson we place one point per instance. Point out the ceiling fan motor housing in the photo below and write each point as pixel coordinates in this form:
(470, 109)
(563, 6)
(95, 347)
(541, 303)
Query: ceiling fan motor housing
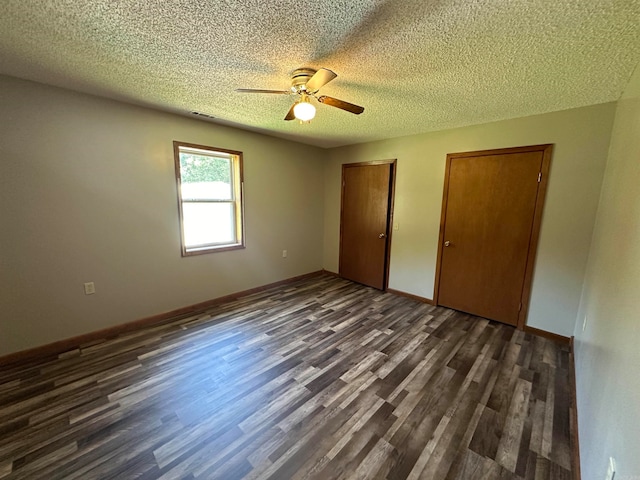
(299, 79)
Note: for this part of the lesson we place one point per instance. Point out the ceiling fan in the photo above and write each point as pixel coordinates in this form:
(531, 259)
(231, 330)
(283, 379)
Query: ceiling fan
(305, 82)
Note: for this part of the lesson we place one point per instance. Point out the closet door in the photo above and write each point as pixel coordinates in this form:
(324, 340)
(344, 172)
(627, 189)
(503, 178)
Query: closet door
(367, 201)
(491, 215)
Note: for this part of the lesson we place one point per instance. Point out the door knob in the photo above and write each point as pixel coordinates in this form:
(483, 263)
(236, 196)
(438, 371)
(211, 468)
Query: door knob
(382, 235)
(447, 243)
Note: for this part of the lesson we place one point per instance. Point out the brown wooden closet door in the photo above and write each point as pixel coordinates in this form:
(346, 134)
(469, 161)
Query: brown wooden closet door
(488, 223)
(366, 195)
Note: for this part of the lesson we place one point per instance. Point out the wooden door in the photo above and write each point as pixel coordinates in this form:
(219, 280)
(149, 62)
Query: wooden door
(491, 216)
(366, 212)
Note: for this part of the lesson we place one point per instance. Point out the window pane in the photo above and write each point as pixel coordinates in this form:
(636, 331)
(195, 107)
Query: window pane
(205, 177)
(208, 223)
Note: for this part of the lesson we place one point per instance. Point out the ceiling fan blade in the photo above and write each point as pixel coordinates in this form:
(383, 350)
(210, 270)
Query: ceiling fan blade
(334, 102)
(253, 90)
(319, 79)
(290, 115)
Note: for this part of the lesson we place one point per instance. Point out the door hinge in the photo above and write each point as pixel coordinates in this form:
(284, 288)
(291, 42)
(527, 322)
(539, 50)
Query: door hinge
(539, 176)
(520, 307)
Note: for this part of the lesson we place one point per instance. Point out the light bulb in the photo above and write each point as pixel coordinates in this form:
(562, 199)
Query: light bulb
(304, 111)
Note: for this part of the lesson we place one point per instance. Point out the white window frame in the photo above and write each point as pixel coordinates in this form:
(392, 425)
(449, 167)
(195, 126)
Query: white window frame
(236, 200)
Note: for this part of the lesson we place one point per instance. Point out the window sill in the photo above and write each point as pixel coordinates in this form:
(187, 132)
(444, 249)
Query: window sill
(203, 250)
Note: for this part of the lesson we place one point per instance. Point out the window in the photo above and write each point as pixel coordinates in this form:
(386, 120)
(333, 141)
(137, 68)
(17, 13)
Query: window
(209, 198)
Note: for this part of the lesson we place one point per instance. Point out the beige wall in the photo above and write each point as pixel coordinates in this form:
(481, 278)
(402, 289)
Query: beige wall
(87, 193)
(608, 350)
(581, 138)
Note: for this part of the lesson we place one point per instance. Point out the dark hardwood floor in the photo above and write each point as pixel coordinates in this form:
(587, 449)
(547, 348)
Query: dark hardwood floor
(319, 379)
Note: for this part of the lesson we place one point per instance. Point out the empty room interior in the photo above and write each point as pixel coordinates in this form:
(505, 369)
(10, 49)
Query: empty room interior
(323, 240)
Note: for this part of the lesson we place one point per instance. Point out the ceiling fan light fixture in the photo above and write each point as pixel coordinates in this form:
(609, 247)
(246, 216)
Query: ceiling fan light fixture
(305, 83)
(304, 111)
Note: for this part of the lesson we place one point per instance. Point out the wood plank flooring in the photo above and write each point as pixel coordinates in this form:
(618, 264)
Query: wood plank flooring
(320, 379)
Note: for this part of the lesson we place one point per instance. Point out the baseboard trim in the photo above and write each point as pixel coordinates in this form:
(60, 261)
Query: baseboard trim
(575, 438)
(410, 295)
(551, 336)
(55, 348)
(329, 272)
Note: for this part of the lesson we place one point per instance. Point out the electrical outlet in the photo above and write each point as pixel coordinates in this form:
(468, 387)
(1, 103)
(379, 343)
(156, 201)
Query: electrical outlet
(284, 254)
(89, 288)
(584, 323)
(611, 471)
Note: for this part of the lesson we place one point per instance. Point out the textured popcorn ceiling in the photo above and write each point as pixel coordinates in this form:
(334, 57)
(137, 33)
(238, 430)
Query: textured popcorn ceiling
(414, 65)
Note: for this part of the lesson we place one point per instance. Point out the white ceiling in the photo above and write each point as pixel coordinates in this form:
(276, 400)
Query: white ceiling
(414, 65)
